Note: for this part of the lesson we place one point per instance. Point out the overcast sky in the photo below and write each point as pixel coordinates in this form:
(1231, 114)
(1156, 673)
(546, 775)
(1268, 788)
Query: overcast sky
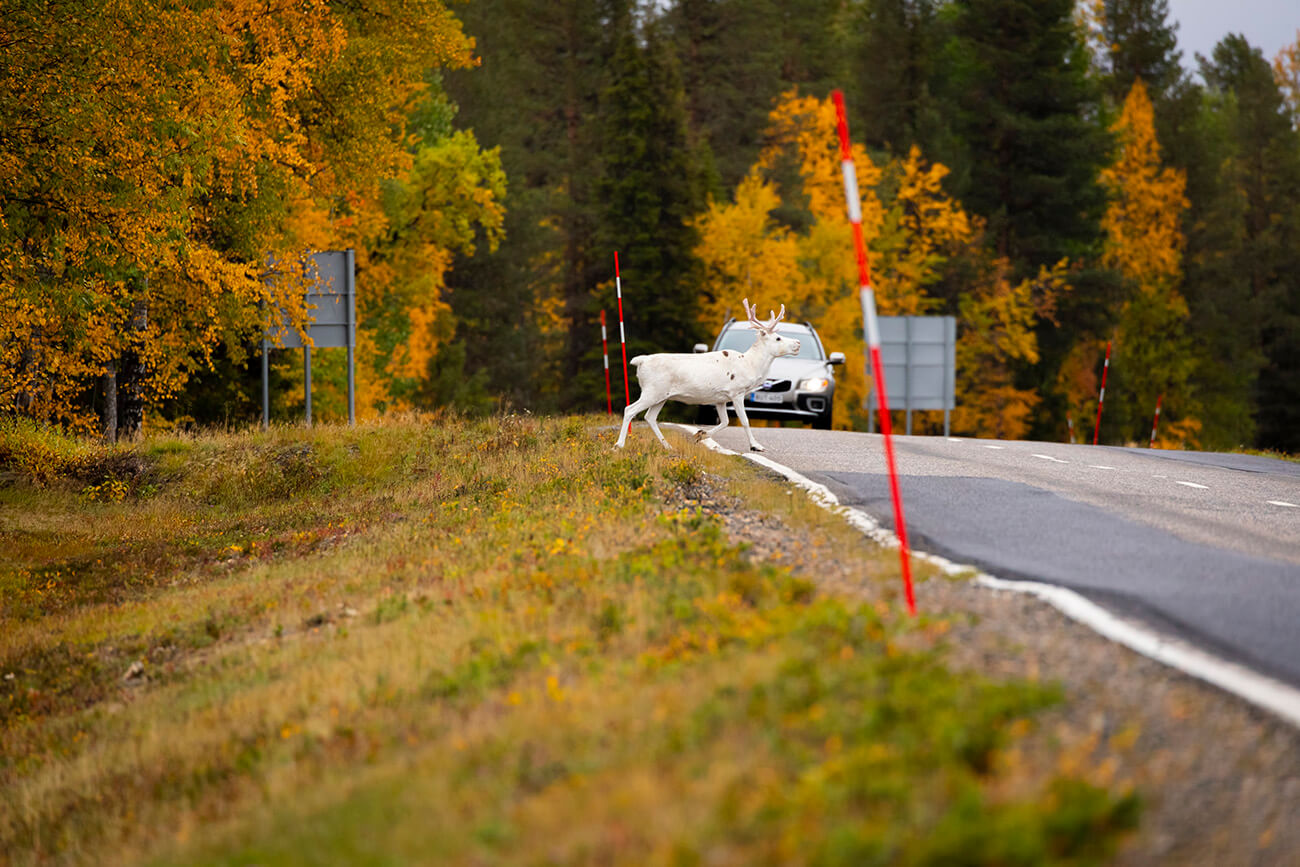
(1267, 24)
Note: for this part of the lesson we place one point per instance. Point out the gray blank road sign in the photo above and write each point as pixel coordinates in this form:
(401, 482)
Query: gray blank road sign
(334, 297)
(919, 354)
(332, 325)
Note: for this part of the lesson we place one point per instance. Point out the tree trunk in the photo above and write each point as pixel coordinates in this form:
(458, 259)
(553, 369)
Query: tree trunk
(132, 374)
(108, 417)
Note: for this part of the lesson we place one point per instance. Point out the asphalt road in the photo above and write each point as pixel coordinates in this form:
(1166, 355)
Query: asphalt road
(1201, 545)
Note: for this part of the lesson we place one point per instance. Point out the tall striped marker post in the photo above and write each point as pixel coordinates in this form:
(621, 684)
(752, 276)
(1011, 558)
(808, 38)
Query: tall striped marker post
(1101, 398)
(622, 338)
(604, 348)
(1155, 423)
(867, 296)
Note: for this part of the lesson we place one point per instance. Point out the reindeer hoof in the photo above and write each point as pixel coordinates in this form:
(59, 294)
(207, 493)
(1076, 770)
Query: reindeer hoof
(699, 435)
(757, 448)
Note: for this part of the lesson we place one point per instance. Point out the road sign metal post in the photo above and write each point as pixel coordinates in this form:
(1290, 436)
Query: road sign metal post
(306, 381)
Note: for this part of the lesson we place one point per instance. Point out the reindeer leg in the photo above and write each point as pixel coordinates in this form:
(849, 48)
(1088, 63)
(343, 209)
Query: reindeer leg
(739, 404)
(652, 416)
(629, 414)
(722, 422)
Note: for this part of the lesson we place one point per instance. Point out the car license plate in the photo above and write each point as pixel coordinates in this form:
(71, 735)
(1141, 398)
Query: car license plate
(767, 397)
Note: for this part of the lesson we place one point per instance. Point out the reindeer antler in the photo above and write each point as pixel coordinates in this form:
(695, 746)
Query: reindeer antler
(775, 318)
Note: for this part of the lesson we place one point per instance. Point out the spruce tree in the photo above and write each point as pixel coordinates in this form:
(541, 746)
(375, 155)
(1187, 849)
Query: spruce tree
(729, 56)
(649, 188)
(892, 65)
(738, 56)
(1255, 237)
(536, 97)
(1140, 42)
(1018, 79)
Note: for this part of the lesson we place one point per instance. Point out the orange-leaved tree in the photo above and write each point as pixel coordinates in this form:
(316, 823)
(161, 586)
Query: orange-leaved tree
(997, 319)
(1286, 71)
(1144, 243)
(910, 224)
(145, 186)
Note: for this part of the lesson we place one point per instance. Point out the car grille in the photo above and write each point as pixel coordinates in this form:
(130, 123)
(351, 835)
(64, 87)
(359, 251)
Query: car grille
(775, 385)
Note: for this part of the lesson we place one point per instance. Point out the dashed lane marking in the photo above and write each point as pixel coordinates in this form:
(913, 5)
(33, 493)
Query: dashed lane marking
(995, 447)
(1194, 485)
(1283, 503)
(1050, 458)
(1099, 467)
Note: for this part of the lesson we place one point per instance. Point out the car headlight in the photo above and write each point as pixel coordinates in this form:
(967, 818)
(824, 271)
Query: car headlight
(819, 383)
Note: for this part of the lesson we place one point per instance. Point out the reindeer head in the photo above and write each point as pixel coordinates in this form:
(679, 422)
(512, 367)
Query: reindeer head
(774, 344)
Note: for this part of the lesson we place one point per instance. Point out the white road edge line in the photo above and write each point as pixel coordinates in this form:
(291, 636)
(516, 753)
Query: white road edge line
(1272, 695)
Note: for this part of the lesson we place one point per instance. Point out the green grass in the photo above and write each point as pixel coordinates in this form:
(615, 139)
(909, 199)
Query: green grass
(443, 641)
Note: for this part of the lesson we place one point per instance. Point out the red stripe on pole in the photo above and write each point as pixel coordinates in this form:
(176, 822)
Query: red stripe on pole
(872, 332)
(604, 348)
(622, 338)
(1101, 398)
(1155, 423)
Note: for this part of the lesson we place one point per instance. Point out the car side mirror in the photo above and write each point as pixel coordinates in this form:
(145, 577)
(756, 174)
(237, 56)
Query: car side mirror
(836, 358)
(700, 347)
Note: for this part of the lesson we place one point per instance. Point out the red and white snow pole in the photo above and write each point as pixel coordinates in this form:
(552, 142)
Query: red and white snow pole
(604, 348)
(867, 296)
(1101, 398)
(1069, 423)
(622, 338)
(1155, 423)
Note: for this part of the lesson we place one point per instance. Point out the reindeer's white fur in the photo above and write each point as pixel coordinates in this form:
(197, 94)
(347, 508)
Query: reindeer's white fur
(711, 378)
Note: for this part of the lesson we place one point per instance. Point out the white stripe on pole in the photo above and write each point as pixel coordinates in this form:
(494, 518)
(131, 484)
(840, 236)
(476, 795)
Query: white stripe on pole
(1155, 422)
(1101, 396)
(604, 351)
(868, 296)
(851, 191)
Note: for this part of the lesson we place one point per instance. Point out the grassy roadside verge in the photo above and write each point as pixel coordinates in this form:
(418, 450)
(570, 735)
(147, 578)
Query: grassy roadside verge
(436, 640)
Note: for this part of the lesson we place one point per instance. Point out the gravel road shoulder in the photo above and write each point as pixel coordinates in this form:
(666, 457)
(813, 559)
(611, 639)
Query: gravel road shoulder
(1219, 779)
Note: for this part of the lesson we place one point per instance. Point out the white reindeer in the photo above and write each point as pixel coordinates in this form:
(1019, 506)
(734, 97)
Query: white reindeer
(711, 378)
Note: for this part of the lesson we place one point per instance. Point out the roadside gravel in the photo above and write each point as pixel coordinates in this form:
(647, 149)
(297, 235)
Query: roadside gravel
(1219, 779)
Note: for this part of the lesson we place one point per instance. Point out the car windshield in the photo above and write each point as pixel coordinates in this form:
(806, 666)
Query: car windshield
(740, 339)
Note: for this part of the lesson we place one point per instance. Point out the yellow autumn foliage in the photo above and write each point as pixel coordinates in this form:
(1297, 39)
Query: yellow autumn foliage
(1144, 243)
(1286, 72)
(144, 188)
(744, 252)
(997, 319)
(911, 227)
(1144, 239)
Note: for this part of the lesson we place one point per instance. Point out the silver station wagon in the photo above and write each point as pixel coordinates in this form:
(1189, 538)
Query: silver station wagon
(798, 387)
